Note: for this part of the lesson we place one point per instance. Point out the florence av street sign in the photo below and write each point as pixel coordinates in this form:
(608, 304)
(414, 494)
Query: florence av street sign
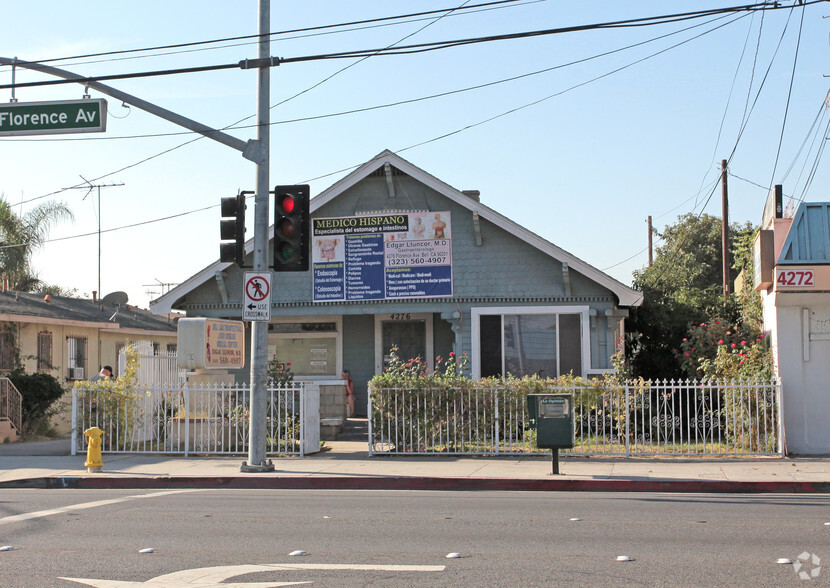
(88, 115)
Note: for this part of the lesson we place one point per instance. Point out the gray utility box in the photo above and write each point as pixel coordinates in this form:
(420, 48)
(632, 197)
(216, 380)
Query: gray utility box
(552, 415)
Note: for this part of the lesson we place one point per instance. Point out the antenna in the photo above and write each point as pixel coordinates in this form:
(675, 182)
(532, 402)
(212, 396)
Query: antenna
(89, 186)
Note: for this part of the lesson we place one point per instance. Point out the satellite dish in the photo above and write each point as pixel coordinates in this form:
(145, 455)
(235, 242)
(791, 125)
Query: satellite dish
(115, 298)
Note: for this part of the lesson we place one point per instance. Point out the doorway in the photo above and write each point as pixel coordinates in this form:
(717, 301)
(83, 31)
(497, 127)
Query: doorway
(411, 333)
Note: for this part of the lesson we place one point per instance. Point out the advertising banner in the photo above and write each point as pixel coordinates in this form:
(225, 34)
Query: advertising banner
(383, 256)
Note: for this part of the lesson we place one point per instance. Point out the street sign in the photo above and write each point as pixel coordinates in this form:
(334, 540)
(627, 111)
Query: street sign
(256, 305)
(46, 118)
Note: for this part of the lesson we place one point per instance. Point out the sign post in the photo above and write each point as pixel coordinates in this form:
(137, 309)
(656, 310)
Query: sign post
(88, 115)
(257, 297)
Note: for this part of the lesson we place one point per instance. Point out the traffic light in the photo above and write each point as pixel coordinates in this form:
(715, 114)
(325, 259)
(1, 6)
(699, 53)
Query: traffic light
(291, 228)
(232, 229)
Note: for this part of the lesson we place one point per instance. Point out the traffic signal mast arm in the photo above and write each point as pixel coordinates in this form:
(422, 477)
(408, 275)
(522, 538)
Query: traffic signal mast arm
(250, 149)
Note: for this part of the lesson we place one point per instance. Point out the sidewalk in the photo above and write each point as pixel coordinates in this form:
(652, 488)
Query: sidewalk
(47, 464)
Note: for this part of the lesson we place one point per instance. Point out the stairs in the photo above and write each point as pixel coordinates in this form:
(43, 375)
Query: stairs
(355, 429)
(8, 432)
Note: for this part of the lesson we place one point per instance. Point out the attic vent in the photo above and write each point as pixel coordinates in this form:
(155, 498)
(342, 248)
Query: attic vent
(380, 172)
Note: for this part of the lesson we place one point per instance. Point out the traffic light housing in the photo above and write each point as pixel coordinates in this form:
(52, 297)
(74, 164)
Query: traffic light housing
(232, 229)
(291, 228)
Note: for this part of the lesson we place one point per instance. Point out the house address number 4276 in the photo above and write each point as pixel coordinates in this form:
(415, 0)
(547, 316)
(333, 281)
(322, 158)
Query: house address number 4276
(803, 278)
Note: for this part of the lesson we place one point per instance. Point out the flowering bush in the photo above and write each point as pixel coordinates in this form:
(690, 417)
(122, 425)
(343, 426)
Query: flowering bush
(722, 350)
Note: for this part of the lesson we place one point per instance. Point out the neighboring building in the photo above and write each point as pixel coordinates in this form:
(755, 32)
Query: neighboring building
(72, 338)
(400, 258)
(792, 271)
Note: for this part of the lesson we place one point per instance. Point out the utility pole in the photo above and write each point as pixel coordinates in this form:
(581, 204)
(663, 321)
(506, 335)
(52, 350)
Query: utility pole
(259, 329)
(725, 228)
(90, 186)
(650, 231)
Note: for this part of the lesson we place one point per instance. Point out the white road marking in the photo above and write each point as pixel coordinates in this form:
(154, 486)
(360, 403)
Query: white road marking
(214, 577)
(26, 516)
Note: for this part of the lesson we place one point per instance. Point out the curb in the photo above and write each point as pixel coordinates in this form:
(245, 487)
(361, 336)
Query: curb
(418, 483)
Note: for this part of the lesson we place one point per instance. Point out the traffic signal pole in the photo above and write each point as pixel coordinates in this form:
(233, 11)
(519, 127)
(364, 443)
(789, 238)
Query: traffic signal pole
(256, 151)
(259, 329)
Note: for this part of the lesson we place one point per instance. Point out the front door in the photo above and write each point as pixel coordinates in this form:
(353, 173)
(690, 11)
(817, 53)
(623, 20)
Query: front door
(410, 333)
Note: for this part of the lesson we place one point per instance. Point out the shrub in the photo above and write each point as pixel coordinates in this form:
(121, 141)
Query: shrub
(40, 392)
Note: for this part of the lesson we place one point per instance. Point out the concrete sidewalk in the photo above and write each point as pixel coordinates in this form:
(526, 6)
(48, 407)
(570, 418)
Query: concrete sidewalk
(346, 464)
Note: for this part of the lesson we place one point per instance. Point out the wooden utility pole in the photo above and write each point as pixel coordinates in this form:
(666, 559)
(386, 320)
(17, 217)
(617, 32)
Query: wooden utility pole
(650, 230)
(725, 229)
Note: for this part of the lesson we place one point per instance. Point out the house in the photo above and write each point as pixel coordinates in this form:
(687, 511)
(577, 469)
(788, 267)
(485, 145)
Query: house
(792, 272)
(72, 338)
(401, 259)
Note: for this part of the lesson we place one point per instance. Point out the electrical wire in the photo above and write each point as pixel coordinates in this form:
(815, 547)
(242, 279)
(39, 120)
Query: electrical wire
(419, 47)
(424, 142)
(787, 106)
(237, 126)
(255, 38)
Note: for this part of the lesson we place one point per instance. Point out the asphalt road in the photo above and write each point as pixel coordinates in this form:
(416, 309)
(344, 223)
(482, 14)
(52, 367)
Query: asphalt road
(362, 538)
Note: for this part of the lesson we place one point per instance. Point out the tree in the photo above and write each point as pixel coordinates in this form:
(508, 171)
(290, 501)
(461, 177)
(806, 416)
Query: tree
(684, 287)
(21, 236)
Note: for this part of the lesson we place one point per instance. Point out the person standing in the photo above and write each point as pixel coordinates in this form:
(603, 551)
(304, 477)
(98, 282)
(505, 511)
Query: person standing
(347, 376)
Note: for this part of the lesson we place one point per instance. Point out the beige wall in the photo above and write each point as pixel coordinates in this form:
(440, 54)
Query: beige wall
(101, 350)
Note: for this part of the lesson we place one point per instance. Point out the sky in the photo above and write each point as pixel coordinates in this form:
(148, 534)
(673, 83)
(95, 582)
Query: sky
(584, 136)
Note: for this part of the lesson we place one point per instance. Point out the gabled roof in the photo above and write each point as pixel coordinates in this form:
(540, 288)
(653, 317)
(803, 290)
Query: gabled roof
(627, 296)
(808, 240)
(28, 307)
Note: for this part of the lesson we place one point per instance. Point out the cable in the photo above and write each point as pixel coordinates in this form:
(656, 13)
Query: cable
(787, 106)
(527, 105)
(446, 134)
(236, 126)
(273, 34)
(419, 47)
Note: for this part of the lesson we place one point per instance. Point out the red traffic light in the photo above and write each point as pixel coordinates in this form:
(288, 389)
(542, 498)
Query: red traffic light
(286, 203)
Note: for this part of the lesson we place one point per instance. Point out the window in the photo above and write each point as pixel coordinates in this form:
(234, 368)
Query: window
(7, 349)
(171, 348)
(76, 358)
(44, 351)
(311, 348)
(543, 341)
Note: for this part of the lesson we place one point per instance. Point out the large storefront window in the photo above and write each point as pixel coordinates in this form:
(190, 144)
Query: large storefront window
(546, 342)
(311, 348)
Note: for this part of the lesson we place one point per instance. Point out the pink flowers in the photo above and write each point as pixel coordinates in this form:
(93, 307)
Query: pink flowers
(687, 355)
(720, 341)
(733, 345)
(743, 342)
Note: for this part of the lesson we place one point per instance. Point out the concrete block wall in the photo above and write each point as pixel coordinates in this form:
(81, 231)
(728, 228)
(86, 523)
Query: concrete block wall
(332, 401)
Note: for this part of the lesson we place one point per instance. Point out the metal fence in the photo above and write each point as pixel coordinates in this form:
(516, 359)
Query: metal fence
(11, 404)
(644, 418)
(189, 419)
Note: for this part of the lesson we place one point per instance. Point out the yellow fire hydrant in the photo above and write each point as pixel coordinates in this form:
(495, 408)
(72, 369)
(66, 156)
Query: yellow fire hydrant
(94, 462)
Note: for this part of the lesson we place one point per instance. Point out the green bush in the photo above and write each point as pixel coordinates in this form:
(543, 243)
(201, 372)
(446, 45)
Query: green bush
(40, 392)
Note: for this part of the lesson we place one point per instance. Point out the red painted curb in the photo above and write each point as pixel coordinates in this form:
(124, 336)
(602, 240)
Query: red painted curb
(269, 481)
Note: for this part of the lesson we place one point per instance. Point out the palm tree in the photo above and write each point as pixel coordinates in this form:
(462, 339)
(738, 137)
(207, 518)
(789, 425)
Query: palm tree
(21, 236)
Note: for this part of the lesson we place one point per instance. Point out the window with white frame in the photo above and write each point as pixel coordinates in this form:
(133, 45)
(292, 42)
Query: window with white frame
(526, 341)
(310, 349)
(76, 358)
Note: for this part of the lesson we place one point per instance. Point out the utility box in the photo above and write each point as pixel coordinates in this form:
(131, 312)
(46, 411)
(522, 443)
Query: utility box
(552, 415)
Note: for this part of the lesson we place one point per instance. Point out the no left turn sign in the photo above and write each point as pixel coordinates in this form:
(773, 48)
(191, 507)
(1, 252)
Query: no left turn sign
(257, 303)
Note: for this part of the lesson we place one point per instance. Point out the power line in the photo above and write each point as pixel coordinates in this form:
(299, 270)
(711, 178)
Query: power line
(255, 38)
(415, 48)
(236, 126)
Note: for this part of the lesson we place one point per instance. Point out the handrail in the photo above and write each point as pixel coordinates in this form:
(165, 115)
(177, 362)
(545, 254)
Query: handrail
(11, 403)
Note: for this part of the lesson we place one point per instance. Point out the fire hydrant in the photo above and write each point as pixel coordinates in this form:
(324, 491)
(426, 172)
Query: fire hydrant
(94, 462)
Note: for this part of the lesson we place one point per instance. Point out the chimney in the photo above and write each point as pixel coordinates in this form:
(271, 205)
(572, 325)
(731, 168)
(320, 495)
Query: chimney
(94, 295)
(47, 299)
(474, 194)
